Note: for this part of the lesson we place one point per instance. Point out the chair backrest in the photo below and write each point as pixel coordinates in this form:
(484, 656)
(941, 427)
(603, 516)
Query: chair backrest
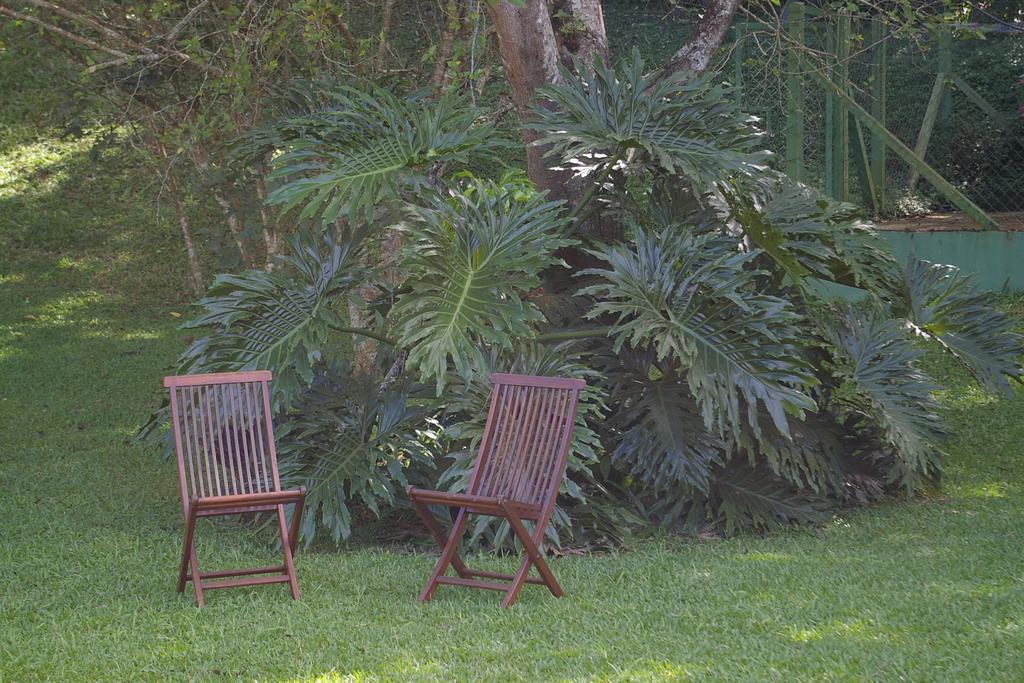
(223, 434)
(526, 439)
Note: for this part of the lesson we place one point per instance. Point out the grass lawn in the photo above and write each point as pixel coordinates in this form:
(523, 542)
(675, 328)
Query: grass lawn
(90, 526)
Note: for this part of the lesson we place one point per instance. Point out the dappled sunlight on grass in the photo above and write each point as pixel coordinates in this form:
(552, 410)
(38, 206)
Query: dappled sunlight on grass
(966, 396)
(766, 557)
(333, 677)
(45, 158)
(123, 335)
(851, 628)
(66, 310)
(997, 489)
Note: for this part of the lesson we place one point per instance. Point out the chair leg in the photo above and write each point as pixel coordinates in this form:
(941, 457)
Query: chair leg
(286, 550)
(189, 560)
(197, 581)
(512, 594)
(293, 533)
(531, 546)
(186, 548)
(448, 552)
(435, 530)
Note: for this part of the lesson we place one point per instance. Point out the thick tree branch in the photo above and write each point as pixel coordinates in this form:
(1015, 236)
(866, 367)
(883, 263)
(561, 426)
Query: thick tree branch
(173, 34)
(85, 20)
(73, 37)
(128, 59)
(144, 53)
(696, 55)
(579, 29)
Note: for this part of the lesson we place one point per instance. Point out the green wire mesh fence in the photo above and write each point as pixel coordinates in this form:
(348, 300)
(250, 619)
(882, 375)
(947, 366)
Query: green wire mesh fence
(950, 96)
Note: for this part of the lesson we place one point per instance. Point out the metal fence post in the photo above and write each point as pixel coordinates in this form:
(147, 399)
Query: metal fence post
(879, 74)
(794, 93)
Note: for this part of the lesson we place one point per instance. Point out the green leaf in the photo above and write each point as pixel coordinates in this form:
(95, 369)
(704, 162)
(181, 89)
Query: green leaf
(691, 297)
(942, 304)
(663, 441)
(471, 259)
(754, 498)
(346, 441)
(350, 149)
(679, 125)
(874, 357)
(806, 233)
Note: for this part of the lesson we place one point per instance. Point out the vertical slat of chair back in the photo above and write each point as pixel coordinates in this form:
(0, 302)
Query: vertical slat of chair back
(526, 439)
(223, 434)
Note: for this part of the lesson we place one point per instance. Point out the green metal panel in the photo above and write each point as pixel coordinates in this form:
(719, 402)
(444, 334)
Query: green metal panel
(795, 94)
(990, 257)
(993, 256)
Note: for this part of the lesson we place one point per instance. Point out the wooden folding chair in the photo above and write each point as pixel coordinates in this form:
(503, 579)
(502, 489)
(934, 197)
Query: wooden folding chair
(227, 465)
(517, 474)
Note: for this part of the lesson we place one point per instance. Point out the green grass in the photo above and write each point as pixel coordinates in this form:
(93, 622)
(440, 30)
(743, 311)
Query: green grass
(90, 529)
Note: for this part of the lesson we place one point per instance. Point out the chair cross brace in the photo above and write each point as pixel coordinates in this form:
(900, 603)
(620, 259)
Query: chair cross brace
(229, 505)
(472, 578)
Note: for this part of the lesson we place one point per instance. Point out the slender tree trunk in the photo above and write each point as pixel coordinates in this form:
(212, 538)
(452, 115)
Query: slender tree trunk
(388, 261)
(196, 279)
(201, 158)
(385, 29)
(202, 161)
(234, 224)
(446, 46)
(271, 239)
(364, 350)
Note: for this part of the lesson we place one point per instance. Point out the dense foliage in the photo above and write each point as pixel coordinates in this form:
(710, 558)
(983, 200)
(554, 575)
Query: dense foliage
(730, 387)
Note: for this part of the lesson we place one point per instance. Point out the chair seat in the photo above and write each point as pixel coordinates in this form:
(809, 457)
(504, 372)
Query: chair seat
(479, 504)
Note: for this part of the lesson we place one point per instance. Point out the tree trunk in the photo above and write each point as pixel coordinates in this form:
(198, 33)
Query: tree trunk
(202, 161)
(271, 240)
(364, 350)
(533, 46)
(529, 51)
(538, 36)
(446, 46)
(196, 280)
(385, 29)
(696, 55)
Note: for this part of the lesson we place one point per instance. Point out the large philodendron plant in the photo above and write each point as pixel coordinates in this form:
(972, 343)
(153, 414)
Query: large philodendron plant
(728, 385)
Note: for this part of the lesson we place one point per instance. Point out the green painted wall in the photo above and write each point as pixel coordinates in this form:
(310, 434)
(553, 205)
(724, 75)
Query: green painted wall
(995, 257)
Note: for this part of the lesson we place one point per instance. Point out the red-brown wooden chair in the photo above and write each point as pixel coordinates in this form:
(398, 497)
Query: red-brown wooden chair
(227, 465)
(518, 471)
